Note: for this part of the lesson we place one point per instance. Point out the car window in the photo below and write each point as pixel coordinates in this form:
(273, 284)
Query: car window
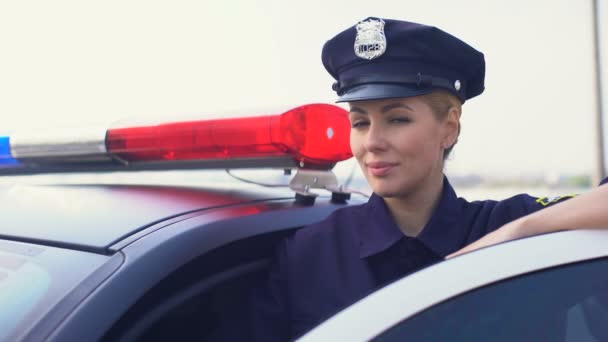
(568, 303)
(34, 278)
(201, 300)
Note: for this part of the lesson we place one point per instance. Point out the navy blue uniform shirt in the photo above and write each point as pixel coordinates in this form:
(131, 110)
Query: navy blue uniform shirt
(323, 268)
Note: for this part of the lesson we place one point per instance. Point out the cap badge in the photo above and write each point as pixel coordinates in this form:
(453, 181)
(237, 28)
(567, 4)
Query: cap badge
(370, 42)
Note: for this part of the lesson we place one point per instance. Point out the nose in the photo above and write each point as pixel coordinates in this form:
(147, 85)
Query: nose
(375, 139)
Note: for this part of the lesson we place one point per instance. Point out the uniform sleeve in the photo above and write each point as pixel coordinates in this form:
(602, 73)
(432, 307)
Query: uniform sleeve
(604, 181)
(543, 202)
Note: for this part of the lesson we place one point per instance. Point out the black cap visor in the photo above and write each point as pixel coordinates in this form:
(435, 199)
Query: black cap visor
(378, 91)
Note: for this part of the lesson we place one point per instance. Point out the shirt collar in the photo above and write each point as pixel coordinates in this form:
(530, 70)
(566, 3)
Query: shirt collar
(379, 231)
(445, 233)
(442, 234)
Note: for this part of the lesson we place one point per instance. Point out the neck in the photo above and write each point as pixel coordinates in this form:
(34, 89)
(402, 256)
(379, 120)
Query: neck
(411, 212)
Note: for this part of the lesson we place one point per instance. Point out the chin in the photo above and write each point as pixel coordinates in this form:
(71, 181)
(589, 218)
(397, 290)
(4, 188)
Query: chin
(386, 194)
(392, 188)
(386, 190)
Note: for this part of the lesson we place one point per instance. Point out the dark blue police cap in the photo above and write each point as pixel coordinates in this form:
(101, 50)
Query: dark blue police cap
(384, 58)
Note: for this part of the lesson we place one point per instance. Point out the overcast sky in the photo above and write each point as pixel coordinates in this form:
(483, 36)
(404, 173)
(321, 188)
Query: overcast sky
(81, 63)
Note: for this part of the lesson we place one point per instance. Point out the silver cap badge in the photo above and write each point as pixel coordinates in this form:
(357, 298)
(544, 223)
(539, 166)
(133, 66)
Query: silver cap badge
(370, 42)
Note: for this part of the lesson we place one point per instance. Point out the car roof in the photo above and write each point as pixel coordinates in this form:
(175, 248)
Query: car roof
(389, 305)
(92, 217)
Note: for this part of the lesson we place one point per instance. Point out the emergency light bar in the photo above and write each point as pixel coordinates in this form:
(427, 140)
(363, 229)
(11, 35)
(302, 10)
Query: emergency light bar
(5, 155)
(314, 136)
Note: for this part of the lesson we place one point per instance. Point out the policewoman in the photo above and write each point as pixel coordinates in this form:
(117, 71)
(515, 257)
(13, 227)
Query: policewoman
(405, 84)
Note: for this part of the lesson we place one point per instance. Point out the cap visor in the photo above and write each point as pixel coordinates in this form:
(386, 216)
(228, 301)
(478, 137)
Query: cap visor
(381, 91)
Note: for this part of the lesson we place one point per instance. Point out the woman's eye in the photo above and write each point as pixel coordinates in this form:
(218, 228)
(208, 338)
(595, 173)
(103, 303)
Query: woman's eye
(360, 124)
(400, 120)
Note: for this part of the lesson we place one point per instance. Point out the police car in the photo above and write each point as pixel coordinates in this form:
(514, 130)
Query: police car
(97, 260)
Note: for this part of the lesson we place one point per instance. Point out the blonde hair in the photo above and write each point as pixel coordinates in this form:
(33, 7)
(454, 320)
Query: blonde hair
(441, 101)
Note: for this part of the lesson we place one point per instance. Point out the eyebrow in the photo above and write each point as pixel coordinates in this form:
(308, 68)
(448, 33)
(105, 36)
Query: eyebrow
(384, 109)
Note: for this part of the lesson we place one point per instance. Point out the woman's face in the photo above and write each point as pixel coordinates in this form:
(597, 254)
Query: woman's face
(399, 143)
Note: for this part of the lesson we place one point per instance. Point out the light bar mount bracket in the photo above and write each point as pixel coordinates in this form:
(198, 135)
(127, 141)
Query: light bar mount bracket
(306, 179)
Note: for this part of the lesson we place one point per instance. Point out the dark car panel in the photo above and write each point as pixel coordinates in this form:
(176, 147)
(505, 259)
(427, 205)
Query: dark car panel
(207, 239)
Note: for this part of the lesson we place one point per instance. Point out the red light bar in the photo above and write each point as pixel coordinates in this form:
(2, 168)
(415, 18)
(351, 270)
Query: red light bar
(315, 135)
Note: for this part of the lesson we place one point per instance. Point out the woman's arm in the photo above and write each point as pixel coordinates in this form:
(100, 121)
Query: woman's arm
(589, 210)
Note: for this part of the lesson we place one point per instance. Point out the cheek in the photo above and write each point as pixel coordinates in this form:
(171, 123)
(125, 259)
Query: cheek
(419, 144)
(412, 143)
(356, 145)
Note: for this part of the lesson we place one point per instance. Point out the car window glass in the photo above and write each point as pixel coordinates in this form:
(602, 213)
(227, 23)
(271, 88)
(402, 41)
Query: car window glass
(568, 303)
(34, 278)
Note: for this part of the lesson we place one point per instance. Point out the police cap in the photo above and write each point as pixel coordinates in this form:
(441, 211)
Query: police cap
(384, 58)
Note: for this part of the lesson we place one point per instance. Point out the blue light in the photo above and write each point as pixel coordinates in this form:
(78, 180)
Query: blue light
(5, 152)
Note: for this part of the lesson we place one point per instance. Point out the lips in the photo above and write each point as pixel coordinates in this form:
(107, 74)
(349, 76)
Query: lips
(380, 169)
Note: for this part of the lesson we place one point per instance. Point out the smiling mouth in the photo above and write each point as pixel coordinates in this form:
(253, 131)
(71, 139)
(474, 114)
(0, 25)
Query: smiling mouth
(380, 169)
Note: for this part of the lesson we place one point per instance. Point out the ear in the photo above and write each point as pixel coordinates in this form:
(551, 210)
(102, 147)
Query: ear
(452, 127)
